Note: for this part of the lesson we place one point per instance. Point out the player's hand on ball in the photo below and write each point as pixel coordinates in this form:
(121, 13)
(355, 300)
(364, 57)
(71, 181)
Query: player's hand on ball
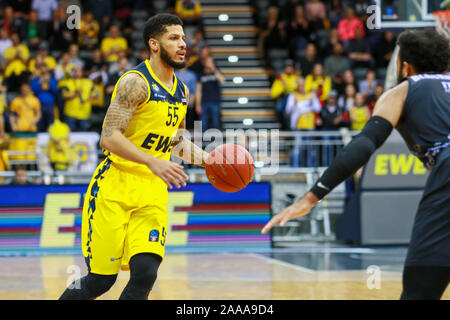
(296, 210)
(170, 172)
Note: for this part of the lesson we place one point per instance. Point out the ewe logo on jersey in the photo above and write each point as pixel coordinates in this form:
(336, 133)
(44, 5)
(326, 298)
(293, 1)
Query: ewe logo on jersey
(159, 142)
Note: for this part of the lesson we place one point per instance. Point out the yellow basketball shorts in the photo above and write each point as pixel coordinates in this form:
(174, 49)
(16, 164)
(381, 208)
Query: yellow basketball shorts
(123, 214)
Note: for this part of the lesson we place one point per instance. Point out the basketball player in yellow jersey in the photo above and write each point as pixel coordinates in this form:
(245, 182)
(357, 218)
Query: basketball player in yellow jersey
(124, 215)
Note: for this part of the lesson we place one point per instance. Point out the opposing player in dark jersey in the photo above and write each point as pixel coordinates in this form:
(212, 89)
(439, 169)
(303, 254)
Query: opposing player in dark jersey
(419, 108)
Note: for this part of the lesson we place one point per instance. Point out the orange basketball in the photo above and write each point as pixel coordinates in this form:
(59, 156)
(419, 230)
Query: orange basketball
(229, 167)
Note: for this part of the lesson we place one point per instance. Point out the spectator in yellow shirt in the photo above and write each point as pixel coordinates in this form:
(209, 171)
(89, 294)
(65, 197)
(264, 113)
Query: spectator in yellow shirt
(359, 113)
(16, 60)
(41, 56)
(77, 94)
(284, 84)
(318, 82)
(4, 139)
(88, 32)
(59, 151)
(112, 45)
(25, 111)
(190, 11)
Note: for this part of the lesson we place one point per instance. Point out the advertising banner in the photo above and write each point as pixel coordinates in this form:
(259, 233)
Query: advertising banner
(47, 219)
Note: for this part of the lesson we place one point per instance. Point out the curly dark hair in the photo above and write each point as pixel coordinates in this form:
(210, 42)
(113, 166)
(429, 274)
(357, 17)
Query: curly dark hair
(157, 24)
(425, 49)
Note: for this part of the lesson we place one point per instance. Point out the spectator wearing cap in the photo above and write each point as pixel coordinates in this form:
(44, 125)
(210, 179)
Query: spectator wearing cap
(332, 117)
(319, 82)
(284, 84)
(348, 25)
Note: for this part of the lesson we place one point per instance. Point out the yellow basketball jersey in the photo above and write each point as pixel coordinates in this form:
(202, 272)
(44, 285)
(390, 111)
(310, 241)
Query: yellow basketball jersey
(154, 124)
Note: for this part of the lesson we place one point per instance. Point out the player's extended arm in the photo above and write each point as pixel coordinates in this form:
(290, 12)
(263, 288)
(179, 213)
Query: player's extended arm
(353, 156)
(131, 92)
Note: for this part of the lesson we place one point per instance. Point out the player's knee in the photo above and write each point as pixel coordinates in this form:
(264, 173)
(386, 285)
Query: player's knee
(97, 284)
(144, 268)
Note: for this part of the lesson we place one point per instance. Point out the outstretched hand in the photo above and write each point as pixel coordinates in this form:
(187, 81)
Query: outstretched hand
(296, 210)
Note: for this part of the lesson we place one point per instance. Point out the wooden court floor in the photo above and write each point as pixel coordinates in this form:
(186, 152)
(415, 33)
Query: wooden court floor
(203, 276)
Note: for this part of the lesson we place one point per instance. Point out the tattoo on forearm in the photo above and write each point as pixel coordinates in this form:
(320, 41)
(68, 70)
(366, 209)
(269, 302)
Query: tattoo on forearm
(131, 92)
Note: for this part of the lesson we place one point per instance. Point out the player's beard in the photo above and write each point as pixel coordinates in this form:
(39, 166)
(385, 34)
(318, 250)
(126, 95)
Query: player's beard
(166, 58)
(400, 77)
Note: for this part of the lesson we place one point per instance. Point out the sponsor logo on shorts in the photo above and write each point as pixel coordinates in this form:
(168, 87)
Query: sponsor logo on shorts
(154, 236)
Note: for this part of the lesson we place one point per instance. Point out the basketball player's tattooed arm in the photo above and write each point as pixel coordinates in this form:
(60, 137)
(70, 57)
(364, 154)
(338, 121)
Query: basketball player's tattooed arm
(131, 92)
(186, 150)
(387, 113)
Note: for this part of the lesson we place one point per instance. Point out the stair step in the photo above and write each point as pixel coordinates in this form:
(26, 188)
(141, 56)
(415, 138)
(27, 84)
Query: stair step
(248, 77)
(226, 9)
(250, 98)
(248, 113)
(250, 105)
(239, 64)
(245, 84)
(235, 42)
(257, 125)
(241, 56)
(232, 50)
(214, 21)
(246, 71)
(229, 2)
(246, 92)
(232, 29)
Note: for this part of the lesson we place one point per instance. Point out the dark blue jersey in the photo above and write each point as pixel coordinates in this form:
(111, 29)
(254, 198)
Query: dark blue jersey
(425, 121)
(425, 126)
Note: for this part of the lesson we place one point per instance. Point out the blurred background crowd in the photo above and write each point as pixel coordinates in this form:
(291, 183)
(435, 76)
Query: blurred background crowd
(326, 66)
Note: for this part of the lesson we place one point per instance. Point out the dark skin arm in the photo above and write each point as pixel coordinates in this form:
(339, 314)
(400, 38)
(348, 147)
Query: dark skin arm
(390, 107)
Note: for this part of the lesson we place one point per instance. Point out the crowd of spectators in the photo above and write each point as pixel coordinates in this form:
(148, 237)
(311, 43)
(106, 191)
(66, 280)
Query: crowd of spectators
(51, 72)
(332, 67)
